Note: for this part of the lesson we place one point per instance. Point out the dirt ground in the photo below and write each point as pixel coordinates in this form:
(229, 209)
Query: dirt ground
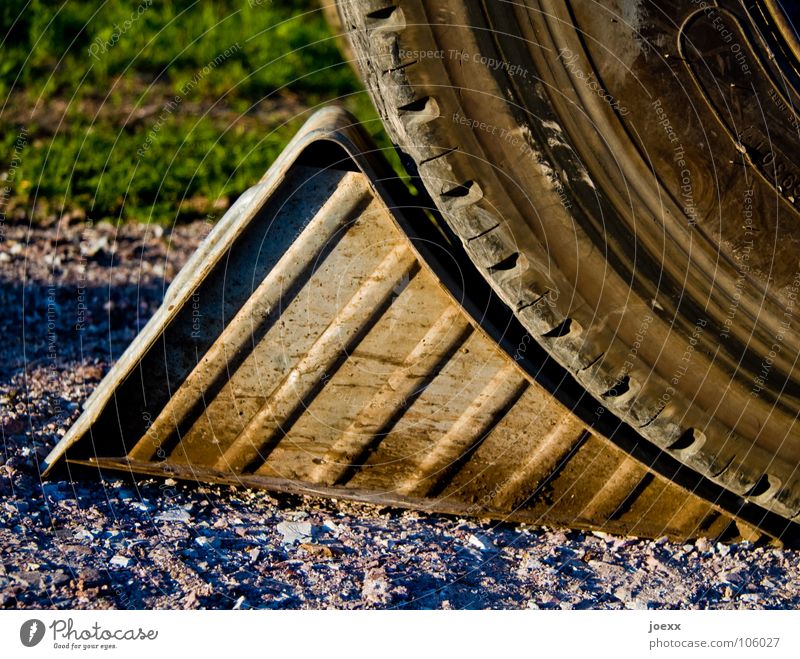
(72, 296)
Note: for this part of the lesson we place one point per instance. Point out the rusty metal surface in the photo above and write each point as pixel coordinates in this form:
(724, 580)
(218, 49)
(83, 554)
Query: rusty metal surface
(318, 343)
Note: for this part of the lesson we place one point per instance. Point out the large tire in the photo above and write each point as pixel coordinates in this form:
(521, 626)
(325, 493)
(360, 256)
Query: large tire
(626, 176)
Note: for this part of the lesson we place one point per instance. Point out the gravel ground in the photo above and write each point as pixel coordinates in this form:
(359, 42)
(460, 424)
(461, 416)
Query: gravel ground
(73, 296)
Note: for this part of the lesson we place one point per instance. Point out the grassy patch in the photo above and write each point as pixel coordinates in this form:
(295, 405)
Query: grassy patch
(154, 110)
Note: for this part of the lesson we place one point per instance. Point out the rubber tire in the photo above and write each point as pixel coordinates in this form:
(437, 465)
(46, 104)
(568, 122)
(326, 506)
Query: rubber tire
(573, 204)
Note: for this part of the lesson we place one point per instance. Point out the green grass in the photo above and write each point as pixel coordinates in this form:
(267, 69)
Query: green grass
(165, 117)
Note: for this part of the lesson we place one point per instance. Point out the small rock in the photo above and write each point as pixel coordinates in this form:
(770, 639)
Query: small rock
(723, 550)
(621, 543)
(59, 578)
(623, 594)
(549, 600)
(376, 587)
(30, 577)
(174, 515)
(702, 545)
(191, 601)
(120, 561)
(481, 542)
(605, 570)
(653, 563)
(294, 532)
(93, 247)
(90, 578)
(317, 551)
(331, 526)
(76, 549)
